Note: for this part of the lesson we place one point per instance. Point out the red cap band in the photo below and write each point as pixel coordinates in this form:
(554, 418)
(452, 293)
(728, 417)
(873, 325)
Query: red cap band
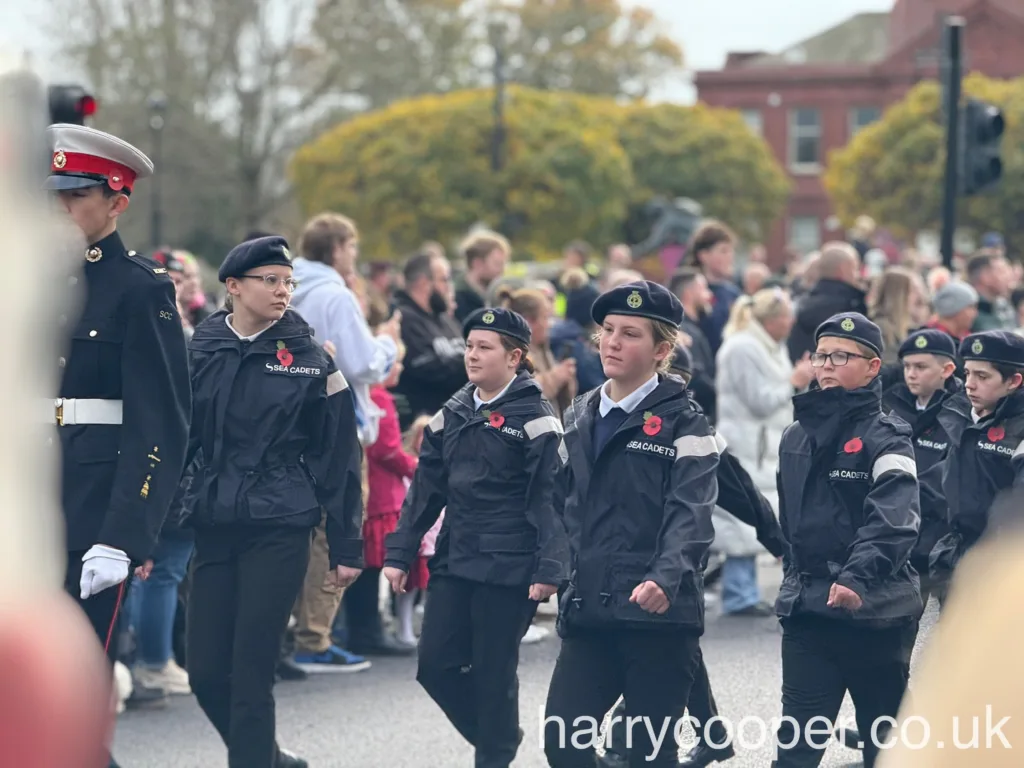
(118, 176)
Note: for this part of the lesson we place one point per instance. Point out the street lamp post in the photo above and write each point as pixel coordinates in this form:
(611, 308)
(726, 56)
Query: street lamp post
(157, 104)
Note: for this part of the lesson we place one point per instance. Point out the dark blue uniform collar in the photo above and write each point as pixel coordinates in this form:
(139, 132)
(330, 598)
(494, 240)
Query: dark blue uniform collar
(111, 242)
(822, 412)
(215, 329)
(523, 385)
(908, 400)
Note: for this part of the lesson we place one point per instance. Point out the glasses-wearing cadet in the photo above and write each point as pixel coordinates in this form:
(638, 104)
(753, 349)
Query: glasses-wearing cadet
(274, 436)
(985, 425)
(929, 363)
(490, 458)
(848, 503)
(124, 404)
(738, 495)
(640, 484)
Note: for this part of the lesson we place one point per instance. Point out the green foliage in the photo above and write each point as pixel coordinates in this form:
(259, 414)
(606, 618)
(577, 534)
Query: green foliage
(572, 167)
(893, 169)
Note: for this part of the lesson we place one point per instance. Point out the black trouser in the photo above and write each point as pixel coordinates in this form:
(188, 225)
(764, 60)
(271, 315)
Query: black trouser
(244, 584)
(103, 609)
(652, 669)
(361, 604)
(701, 708)
(468, 661)
(824, 658)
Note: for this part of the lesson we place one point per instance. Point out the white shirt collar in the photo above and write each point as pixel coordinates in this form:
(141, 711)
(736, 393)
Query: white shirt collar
(246, 338)
(480, 403)
(630, 402)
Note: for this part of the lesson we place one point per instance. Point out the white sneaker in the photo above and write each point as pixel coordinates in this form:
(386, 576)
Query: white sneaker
(535, 634)
(172, 678)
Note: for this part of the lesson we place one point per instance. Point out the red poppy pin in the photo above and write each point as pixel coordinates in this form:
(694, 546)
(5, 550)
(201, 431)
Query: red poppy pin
(995, 434)
(284, 357)
(652, 424)
(496, 420)
(854, 446)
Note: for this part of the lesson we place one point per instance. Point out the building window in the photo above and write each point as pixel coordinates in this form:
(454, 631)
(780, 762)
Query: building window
(805, 234)
(861, 117)
(805, 140)
(754, 120)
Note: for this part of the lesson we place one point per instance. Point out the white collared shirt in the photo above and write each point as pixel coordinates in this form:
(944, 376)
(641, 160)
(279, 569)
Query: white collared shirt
(630, 402)
(480, 403)
(246, 338)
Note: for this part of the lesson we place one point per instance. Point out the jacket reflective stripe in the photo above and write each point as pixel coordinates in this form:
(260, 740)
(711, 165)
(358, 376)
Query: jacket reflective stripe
(693, 446)
(436, 424)
(541, 426)
(336, 383)
(563, 452)
(1020, 449)
(893, 462)
(720, 442)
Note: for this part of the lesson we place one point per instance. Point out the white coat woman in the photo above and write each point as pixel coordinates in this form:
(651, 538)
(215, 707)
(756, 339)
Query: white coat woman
(755, 383)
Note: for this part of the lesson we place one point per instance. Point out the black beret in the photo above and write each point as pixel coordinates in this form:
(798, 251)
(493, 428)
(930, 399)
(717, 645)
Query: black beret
(683, 360)
(930, 341)
(499, 320)
(853, 326)
(255, 253)
(1000, 347)
(640, 299)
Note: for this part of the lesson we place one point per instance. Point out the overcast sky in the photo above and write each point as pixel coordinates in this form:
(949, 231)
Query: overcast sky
(706, 29)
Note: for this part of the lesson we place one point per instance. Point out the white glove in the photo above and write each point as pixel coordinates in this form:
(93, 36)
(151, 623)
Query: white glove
(103, 567)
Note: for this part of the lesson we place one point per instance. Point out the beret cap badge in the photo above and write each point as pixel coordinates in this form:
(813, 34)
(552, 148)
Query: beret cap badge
(634, 300)
(488, 318)
(847, 324)
(921, 342)
(977, 347)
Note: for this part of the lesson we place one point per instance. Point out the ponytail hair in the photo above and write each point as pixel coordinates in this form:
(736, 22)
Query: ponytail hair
(762, 306)
(511, 345)
(528, 302)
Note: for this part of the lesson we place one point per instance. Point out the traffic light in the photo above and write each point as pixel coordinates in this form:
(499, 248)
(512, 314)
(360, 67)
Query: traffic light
(70, 104)
(981, 139)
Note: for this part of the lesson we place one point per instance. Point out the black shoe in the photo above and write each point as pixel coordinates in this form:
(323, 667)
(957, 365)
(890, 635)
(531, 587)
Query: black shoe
(386, 645)
(289, 670)
(286, 759)
(848, 737)
(703, 755)
(758, 610)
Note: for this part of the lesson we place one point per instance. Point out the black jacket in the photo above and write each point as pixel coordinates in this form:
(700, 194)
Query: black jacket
(738, 495)
(495, 473)
(639, 511)
(985, 460)
(434, 365)
(930, 445)
(827, 298)
(848, 503)
(702, 377)
(274, 431)
(126, 343)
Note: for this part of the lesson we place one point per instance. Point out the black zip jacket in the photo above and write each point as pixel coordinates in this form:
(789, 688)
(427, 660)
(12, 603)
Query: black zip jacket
(638, 511)
(848, 502)
(738, 495)
(274, 428)
(495, 473)
(435, 368)
(930, 446)
(985, 460)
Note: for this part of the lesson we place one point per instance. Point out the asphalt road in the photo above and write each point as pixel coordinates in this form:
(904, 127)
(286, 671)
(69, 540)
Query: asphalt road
(381, 718)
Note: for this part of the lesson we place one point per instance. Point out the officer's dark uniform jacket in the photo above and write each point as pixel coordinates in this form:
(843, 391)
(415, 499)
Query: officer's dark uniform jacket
(985, 458)
(638, 511)
(848, 502)
(274, 431)
(495, 473)
(930, 445)
(126, 344)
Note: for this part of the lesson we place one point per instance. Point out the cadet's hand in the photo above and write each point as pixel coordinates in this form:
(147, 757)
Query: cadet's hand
(342, 576)
(541, 592)
(650, 597)
(396, 578)
(143, 571)
(843, 597)
(102, 567)
(393, 327)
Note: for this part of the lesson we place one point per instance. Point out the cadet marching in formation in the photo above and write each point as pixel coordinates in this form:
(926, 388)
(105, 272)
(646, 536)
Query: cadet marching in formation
(880, 496)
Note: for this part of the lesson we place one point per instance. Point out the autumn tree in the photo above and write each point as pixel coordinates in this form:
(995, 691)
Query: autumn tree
(893, 169)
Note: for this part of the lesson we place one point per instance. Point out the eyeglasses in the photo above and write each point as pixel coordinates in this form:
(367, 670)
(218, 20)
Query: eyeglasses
(838, 359)
(272, 281)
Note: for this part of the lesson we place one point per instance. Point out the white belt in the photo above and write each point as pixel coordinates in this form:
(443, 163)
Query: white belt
(67, 412)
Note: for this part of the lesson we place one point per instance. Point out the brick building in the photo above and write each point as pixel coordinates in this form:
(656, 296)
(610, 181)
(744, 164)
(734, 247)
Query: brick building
(814, 96)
